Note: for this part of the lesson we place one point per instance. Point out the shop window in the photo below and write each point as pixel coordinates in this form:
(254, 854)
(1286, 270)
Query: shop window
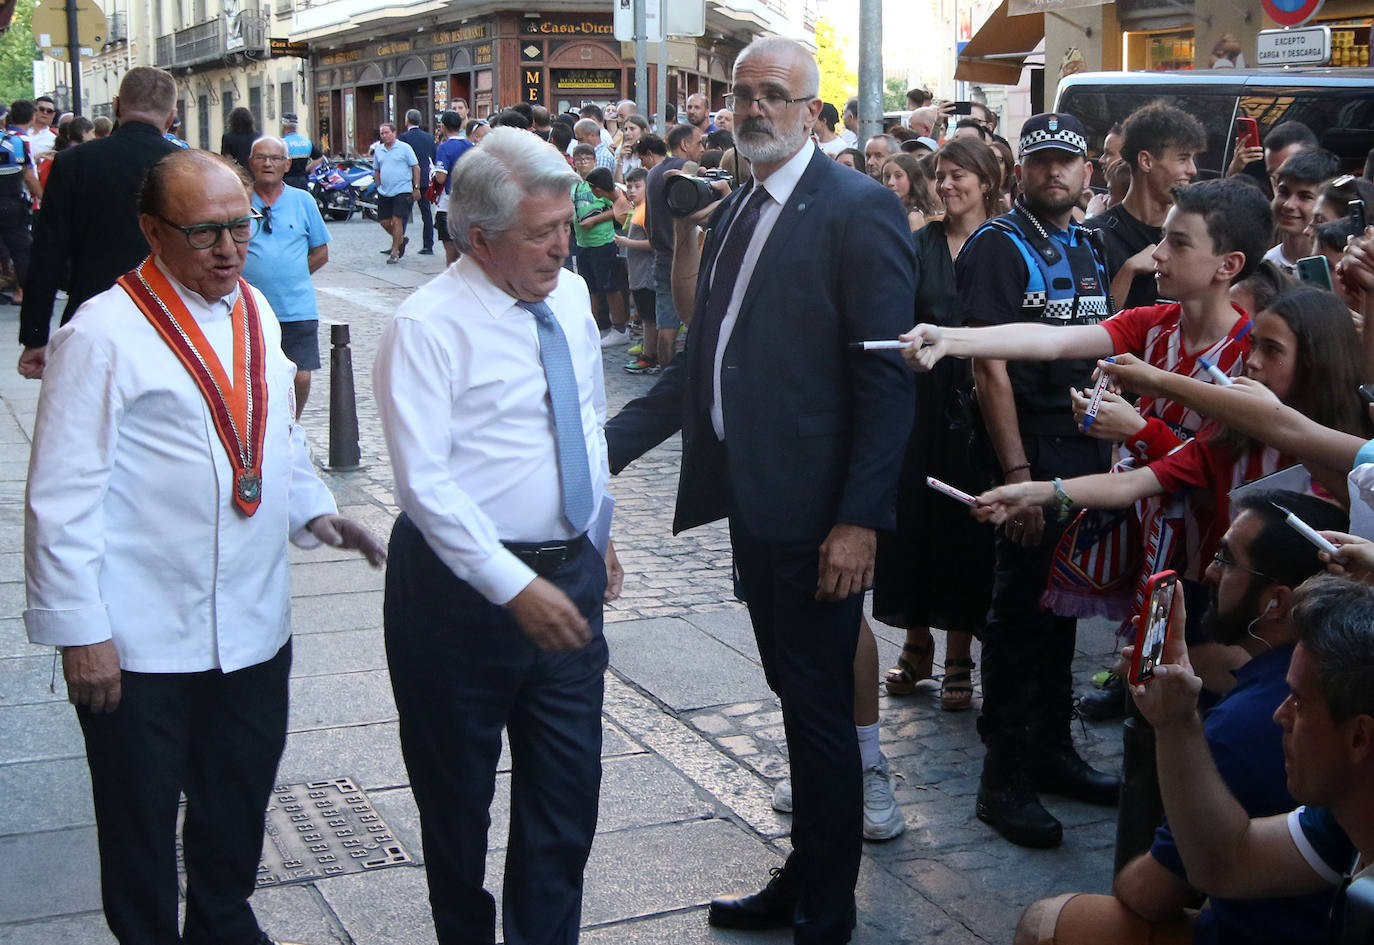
(203, 121)
(287, 91)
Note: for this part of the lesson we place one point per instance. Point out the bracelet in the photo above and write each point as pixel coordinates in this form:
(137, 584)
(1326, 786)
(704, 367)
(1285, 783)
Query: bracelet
(1014, 469)
(1062, 503)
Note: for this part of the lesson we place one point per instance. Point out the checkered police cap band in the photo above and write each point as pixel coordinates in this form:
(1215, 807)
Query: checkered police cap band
(1071, 140)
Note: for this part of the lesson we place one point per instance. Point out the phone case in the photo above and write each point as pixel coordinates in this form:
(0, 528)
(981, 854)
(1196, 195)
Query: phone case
(1153, 631)
(1248, 132)
(1315, 271)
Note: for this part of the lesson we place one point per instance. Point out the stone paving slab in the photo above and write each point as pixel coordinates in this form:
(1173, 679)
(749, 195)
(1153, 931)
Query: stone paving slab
(29, 865)
(655, 652)
(45, 795)
(40, 731)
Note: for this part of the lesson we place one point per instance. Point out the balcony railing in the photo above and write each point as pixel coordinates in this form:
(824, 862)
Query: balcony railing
(212, 41)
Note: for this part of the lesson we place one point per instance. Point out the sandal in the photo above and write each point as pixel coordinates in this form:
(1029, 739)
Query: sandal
(956, 689)
(901, 679)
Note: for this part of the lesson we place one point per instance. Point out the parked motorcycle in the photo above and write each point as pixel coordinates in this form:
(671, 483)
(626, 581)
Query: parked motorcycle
(364, 187)
(332, 192)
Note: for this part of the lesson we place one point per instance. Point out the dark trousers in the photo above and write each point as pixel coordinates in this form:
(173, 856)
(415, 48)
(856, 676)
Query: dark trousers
(217, 738)
(461, 669)
(807, 648)
(427, 215)
(15, 235)
(1027, 650)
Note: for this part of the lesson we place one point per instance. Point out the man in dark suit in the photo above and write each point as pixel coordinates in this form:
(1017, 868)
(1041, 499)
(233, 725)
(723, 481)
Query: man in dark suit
(799, 441)
(422, 143)
(89, 217)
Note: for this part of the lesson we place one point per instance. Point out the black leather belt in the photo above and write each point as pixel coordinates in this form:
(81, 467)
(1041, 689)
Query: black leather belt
(544, 558)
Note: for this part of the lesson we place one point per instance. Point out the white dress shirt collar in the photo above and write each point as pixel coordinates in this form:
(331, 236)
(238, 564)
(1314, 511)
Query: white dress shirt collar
(783, 181)
(496, 300)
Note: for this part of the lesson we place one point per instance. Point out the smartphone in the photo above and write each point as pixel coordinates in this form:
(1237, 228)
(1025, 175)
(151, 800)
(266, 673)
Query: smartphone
(961, 108)
(1247, 133)
(1154, 626)
(1356, 210)
(955, 494)
(1367, 393)
(1315, 271)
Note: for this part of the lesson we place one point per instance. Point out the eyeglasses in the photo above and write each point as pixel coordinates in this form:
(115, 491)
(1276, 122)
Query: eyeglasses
(46, 110)
(1223, 560)
(267, 220)
(772, 101)
(206, 235)
(270, 158)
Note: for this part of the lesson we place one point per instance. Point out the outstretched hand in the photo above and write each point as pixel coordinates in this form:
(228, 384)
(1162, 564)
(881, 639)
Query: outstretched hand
(339, 532)
(926, 346)
(1353, 558)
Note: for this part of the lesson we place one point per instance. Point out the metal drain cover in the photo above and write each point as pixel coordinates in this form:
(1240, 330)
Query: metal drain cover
(324, 828)
(320, 829)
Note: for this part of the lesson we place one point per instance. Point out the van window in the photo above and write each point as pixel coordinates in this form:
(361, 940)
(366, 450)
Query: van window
(1099, 108)
(1343, 119)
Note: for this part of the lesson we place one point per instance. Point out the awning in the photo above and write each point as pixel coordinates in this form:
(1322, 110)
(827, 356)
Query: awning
(998, 50)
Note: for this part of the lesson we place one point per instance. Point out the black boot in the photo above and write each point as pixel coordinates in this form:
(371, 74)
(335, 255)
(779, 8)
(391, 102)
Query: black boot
(1006, 800)
(1060, 769)
(1106, 703)
(770, 908)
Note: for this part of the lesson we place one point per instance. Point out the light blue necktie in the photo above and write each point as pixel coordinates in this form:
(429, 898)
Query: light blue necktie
(574, 472)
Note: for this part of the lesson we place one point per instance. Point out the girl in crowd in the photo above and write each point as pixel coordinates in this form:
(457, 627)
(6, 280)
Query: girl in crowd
(919, 581)
(851, 157)
(904, 175)
(1307, 353)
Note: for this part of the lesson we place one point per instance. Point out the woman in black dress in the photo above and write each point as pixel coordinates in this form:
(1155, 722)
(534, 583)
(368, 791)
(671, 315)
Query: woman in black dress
(237, 142)
(936, 570)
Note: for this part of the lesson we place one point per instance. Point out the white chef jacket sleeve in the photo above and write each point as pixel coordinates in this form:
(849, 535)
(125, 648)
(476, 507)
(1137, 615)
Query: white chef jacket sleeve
(70, 463)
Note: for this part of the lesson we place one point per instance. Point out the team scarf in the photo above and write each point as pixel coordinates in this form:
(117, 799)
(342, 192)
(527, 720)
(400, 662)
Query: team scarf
(238, 410)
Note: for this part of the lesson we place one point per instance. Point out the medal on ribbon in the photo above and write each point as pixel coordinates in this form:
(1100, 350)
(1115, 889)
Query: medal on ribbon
(238, 410)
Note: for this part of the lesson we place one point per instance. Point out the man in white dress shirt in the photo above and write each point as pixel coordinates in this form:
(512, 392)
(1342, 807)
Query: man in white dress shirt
(165, 479)
(490, 391)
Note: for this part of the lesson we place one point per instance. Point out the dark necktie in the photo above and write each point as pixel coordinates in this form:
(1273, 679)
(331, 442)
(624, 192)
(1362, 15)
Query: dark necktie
(574, 472)
(731, 257)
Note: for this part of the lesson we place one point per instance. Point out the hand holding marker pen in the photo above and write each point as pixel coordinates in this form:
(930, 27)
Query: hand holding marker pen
(1217, 374)
(1096, 401)
(894, 345)
(1305, 530)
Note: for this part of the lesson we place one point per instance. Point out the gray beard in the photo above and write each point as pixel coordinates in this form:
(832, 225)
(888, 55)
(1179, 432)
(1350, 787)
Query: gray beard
(770, 147)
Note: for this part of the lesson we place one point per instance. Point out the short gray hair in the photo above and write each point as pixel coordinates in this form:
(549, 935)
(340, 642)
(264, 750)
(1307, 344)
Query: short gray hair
(270, 139)
(779, 46)
(413, 117)
(586, 126)
(1334, 620)
(494, 177)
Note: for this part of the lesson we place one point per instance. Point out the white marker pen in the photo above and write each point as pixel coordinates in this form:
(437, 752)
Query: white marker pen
(1306, 531)
(894, 345)
(1217, 374)
(950, 491)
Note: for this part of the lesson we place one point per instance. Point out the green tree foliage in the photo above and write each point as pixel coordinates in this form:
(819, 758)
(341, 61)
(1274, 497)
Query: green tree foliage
(838, 83)
(894, 95)
(17, 53)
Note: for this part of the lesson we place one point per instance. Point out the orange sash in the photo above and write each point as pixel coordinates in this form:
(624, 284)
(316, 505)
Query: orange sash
(239, 411)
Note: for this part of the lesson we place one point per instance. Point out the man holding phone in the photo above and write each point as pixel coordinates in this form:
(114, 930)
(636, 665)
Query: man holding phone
(1260, 563)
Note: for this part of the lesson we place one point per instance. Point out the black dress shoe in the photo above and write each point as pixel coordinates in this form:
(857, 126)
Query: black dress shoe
(1105, 704)
(427, 251)
(1017, 814)
(771, 907)
(1063, 771)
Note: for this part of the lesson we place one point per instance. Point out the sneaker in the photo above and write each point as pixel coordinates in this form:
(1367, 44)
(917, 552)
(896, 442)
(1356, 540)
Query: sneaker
(782, 796)
(882, 817)
(635, 349)
(615, 337)
(643, 367)
(1106, 702)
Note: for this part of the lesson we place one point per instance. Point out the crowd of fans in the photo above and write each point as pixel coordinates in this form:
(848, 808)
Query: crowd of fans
(1037, 271)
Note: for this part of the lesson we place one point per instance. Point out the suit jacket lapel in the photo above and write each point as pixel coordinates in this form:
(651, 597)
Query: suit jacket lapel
(787, 225)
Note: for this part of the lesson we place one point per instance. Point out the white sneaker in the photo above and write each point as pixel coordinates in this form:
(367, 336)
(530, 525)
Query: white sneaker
(882, 817)
(614, 339)
(782, 796)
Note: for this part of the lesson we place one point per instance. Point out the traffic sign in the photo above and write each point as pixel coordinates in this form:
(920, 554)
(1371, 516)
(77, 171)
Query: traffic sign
(1308, 46)
(1291, 12)
(49, 25)
(624, 20)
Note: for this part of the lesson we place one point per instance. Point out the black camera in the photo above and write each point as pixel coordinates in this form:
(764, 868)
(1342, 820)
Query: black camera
(686, 195)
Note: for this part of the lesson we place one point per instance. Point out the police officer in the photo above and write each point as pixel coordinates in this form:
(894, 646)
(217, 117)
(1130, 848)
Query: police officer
(16, 176)
(1034, 264)
(303, 152)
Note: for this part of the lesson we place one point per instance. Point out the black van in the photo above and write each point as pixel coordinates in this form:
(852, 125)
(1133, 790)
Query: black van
(1337, 104)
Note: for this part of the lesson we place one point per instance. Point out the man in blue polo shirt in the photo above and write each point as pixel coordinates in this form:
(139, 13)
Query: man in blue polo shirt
(447, 154)
(397, 171)
(291, 243)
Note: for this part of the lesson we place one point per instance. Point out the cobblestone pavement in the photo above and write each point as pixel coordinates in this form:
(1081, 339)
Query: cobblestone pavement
(693, 737)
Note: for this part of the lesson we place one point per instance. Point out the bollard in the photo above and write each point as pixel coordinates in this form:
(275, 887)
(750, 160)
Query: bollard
(343, 407)
(1141, 807)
